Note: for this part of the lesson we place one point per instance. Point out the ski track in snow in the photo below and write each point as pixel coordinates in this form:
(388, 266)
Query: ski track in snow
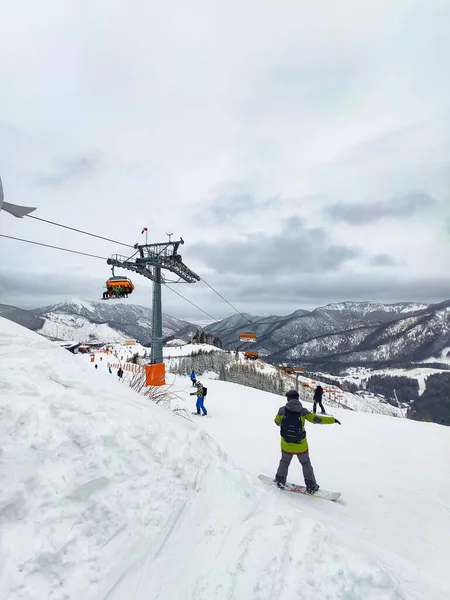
(105, 496)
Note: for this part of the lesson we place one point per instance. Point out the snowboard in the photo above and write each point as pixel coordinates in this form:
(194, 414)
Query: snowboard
(301, 489)
(197, 415)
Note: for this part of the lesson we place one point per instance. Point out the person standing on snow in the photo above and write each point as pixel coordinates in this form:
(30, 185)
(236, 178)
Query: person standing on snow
(193, 378)
(318, 399)
(291, 420)
(200, 398)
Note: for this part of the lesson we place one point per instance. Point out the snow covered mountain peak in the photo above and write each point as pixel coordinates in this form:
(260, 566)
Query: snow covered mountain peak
(71, 305)
(367, 307)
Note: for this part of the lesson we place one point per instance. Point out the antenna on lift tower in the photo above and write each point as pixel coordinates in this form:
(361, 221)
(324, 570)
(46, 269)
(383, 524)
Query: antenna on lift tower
(152, 259)
(169, 235)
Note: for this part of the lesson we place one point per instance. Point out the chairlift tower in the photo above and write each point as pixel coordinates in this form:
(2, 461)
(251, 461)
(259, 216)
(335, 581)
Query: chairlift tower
(152, 259)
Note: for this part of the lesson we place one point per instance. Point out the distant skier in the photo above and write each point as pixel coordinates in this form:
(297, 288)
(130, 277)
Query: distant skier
(318, 399)
(96, 366)
(193, 378)
(120, 373)
(200, 393)
(109, 369)
(291, 420)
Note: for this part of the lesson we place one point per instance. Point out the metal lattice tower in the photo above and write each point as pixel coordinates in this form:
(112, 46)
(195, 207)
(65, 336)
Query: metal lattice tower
(152, 260)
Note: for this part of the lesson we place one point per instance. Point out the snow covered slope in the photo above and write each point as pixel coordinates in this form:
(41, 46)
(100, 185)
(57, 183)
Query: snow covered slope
(104, 495)
(62, 326)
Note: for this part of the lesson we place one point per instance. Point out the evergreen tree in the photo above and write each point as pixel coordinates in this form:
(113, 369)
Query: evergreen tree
(222, 373)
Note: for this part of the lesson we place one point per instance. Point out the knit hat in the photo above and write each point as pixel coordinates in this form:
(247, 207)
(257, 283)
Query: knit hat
(292, 394)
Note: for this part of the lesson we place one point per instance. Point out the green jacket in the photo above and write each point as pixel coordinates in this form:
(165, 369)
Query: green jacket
(304, 415)
(199, 392)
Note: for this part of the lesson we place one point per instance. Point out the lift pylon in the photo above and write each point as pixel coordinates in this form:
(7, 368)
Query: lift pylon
(151, 261)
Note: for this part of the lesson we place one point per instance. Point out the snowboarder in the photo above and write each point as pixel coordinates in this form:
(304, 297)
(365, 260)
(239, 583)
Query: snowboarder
(193, 378)
(318, 399)
(109, 369)
(120, 373)
(291, 420)
(200, 398)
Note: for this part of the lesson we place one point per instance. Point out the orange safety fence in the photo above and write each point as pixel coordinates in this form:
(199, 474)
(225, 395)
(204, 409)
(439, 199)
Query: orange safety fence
(127, 367)
(154, 374)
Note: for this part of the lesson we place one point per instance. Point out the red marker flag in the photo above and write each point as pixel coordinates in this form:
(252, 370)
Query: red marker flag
(145, 229)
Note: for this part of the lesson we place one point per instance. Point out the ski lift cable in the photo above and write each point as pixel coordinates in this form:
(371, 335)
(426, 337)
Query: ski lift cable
(104, 258)
(225, 300)
(198, 307)
(10, 237)
(100, 237)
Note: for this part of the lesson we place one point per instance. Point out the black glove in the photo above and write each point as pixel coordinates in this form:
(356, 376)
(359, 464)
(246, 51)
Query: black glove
(336, 421)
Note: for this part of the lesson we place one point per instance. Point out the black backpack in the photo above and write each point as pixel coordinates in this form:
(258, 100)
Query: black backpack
(292, 429)
(205, 390)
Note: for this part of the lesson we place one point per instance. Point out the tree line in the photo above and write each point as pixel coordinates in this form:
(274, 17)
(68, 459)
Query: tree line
(228, 368)
(434, 404)
(201, 337)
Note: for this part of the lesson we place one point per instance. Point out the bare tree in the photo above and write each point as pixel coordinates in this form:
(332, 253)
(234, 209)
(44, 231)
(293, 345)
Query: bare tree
(167, 396)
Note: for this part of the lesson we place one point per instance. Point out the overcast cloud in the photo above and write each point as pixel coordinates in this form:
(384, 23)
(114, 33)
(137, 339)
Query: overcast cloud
(301, 150)
(368, 212)
(66, 170)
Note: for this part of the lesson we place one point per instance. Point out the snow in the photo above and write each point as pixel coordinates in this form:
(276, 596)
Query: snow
(443, 357)
(187, 350)
(176, 343)
(104, 495)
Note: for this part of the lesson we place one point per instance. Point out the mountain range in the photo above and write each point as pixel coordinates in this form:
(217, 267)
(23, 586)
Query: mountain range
(329, 337)
(348, 333)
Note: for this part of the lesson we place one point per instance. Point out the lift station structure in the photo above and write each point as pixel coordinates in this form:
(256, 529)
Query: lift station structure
(150, 262)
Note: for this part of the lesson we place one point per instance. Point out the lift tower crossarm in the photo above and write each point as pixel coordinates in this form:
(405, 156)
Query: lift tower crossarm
(165, 255)
(124, 262)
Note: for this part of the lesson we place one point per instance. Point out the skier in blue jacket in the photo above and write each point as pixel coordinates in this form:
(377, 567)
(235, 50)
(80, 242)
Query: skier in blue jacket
(193, 378)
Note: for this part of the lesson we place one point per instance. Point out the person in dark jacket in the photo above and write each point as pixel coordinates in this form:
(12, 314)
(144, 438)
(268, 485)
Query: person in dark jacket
(291, 420)
(318, 399)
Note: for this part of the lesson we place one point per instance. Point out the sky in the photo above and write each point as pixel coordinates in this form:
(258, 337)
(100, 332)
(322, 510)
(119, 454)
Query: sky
(301, 150)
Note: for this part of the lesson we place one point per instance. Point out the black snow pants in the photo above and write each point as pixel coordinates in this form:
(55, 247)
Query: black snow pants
(318, 401)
